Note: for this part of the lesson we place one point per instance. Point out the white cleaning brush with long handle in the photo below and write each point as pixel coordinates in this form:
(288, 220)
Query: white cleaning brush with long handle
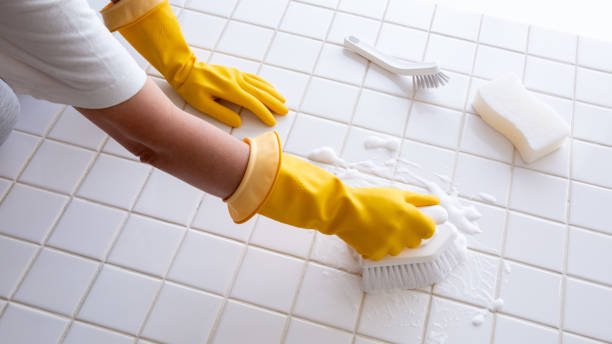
(424, 75)
(419, 267)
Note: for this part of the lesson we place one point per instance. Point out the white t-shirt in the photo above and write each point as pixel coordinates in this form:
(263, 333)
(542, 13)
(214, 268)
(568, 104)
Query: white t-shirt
(59, 50)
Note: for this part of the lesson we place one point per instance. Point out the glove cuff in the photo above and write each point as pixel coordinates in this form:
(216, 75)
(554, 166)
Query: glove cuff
(260, 175)
(126, 12)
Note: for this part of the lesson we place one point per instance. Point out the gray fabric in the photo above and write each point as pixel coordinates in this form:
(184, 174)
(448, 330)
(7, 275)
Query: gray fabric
(9, 109)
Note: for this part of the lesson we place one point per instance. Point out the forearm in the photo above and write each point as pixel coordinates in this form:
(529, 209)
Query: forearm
(152, 127)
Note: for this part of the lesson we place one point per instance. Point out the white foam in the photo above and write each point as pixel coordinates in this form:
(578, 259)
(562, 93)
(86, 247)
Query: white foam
(497, 305)
(374, 142)
(325, 155)
(479, 318)
(485, 197)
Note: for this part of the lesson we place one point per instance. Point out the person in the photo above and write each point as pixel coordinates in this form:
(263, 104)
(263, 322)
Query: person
(59, 51)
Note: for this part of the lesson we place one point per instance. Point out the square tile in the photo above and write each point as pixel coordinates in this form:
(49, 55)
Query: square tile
(532, 293)
(397, 316)
(252, 126)
(245, 40)
(17, 322)
(293, 52)
(433, 124)
(332, 251)
(292, 85)
(267, 327)
(258, 281)
(592, 86)
(206, 261)
(449, 53)
(535, 241)
(557, 162)
(340, 64)
(425, 158)
(17, 219)
(493, 62)
(452, 95)
(329, 296)
(473, 281)
(456, 23)
(307, 20)
(119, 299)
(382, 80)
(412, 41)
(492, 223)
(113, 147)
(574, 339)
(310, 132)
(509, 330)
(201, 30)
(595, 53)
(586, 306)
(15, 257)
(213, 217)
(589, 207)
(84, 333)
(552, 44)
(330, 99)
(15, 152)
(182, 315)
(87, 228)
(75, 128)
(375, 9)
(222, 8)
(114, 181)
(345, 24)
(281, 237)
(481, 139)
(589, 255)
(265, 13)
(36, 115)
(452, 322)
(548, 76)
(303, 332)
(539, 194)
(140, 237)
(415, 13)
(243, 64)
(592, 163)
(470, 177)
(593, 123)
(382, 112)
(169, 198)
(57, 166)
(57, 281)
(503, 33)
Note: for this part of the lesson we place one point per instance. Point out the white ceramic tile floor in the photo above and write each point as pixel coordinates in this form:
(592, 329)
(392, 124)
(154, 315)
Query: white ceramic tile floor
(130, 254)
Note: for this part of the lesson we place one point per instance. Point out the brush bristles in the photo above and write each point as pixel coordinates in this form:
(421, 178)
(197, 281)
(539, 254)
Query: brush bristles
(431, 80)
(414, 275)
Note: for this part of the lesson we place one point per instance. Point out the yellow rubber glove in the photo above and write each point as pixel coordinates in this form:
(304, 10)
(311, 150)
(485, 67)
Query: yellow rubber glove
(152, 29)
(374, 221)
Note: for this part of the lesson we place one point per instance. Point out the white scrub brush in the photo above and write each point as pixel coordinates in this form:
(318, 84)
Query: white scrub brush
(424, 75)
(419, 267)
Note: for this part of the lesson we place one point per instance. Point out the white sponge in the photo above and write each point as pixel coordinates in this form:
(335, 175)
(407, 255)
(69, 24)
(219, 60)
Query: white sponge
(531, 125)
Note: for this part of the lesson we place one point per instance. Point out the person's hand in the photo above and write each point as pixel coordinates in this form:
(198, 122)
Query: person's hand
(374, 221)
(153, 30)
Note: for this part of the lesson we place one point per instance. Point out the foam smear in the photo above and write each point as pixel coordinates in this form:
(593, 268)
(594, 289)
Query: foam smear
(373, 142)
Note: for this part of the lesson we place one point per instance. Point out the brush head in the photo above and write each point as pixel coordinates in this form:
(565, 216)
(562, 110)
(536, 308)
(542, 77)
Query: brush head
(433, 80)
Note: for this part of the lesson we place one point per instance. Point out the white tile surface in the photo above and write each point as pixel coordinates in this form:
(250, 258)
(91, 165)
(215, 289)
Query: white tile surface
(589, 255)
(539, 194)
(15, 152)
(223, 8)
(114, 181)
(382, 80)
(213, 217)
(310, 132)
(182, 315)
(510, 330)
(433, 124)
(113, 147)
(591, 86)
(432, 159)
(397, 316)
(492, 223)
(340, 64)
(57, 166)
(168, 197)
(456, 23)
(294, 52)
(65, 279)
(470, 183)
(303, 332)
(299, 20)
(18, 219)
(532, 293)
(330, 99)
(329, 296)
(481, 139)
(17, 322)
(581, 299)
(281, 237)
(452, 322)
(588, 207)
(375, 9)
(548, 76)
(574, 339)
(84, 333)
(450, 53)
(552, 44)
(36, 115)
(192, 23)
(206, 261)
(258, 280)
(245, 40)
(15, 257)
(142, 236)
(595, 53)
(503, 33)
(382, 112)
(241, 323)
(75, 128)
(332, 251)
(356, 150)
(415, 13)
(493, 62)
(119, 299)
(412, 46)
(266, 13)
(593, 123)
(556, 163)
(243, 64)
(592, 163)
(291, 84)
(345, 24)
